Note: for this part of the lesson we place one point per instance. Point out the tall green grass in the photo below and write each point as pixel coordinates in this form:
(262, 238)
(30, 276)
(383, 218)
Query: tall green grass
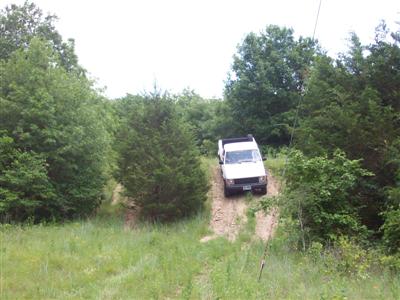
(99, 259)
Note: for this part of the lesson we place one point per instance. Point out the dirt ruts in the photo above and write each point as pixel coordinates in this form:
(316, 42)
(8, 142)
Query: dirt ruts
(229, 214)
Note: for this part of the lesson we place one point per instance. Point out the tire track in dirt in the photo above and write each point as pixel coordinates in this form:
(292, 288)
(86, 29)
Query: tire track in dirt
(228, 215)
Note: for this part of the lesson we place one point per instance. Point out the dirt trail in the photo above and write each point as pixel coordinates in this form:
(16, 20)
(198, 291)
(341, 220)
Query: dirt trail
(131, 212)
(229, 214)
(116, 195)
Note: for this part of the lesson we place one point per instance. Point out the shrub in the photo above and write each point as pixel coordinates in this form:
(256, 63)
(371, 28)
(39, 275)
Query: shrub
(391, 230)
(391, 226)
(24, 184)
(60, 141)
(159, 164)
(319, 194)
(351, 258)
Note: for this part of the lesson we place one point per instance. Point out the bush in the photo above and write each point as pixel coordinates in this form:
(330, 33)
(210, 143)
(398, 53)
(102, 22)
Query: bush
(391, 231)
(24, 184)
(159, 164)
(319, 194)
(351, 258)
(59, 137)
(391, 226)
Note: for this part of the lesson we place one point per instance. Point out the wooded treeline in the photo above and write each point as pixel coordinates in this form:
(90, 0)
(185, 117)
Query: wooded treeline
(61, 139)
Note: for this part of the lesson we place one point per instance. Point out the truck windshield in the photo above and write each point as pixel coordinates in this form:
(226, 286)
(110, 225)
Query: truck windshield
(237, 157)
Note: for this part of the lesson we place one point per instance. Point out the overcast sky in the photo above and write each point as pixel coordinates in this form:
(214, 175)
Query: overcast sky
(129, 45)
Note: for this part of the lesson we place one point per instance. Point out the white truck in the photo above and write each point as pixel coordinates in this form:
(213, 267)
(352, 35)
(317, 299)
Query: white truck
(242, 165)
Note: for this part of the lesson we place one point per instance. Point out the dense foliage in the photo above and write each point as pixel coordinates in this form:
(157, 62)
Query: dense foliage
(267, 79)
(321, 192)
(24, 184)
(352, 103)
(209, 119)
(158, 161)
(54, 143)
(19, 24)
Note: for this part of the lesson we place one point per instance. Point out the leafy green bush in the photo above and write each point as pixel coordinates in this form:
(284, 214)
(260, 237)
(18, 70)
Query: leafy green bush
(391, 226)
(391, 261)
(24, 184)
(351, 258)
(159, 163)
(318, 195)
(59, 138)
(391, 230)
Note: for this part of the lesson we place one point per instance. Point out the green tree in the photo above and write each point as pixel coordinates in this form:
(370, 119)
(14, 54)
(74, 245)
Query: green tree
(159, 163)
(209, 119)
(19, 24)
(54, 116)
(267, 80)
(352, 104)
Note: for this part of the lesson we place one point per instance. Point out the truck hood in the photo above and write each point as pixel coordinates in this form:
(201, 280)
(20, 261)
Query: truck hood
(244, 170)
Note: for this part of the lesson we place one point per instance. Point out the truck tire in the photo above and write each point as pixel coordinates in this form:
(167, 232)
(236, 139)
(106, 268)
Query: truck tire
(263, 191)
(227, 192)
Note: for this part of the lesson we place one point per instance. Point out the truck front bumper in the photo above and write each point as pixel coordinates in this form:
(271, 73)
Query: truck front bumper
(253, 187)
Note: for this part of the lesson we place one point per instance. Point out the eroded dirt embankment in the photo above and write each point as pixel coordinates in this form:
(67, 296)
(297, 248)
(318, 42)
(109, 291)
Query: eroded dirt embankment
(228, 215)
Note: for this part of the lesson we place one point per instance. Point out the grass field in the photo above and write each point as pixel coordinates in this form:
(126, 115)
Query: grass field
(98, 259)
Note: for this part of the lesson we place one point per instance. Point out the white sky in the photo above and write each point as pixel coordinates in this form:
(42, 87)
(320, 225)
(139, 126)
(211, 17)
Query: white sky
(129, 45)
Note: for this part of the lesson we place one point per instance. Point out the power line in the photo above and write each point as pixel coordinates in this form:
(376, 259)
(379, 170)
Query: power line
(300, 98)
(291, 140)
(316, 20)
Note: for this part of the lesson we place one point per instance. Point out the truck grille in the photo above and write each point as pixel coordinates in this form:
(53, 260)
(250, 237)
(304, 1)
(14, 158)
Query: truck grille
(246, 180)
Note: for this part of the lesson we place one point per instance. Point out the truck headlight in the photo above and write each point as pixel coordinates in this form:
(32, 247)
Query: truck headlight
(262, 179)
(230, 181)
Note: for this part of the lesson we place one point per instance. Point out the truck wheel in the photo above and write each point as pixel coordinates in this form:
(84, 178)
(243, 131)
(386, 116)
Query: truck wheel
(227, 192)
(263, 191)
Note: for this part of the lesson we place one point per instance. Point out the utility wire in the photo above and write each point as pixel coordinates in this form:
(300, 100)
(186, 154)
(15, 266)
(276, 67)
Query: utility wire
(300, 98)
(291, 140)
(316, 20)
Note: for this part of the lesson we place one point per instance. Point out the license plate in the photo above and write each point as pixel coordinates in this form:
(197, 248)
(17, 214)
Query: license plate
(247, 188)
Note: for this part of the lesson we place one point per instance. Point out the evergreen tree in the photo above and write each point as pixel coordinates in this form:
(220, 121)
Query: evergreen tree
(159, 163)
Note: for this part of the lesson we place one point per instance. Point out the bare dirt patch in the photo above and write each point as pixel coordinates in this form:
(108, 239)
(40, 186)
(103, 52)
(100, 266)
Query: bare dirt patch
(116, 195)
(227, 214)
(131, 212)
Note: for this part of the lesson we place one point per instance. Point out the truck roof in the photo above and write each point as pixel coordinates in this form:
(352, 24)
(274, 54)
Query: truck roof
(240, 146)
(248, 138)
